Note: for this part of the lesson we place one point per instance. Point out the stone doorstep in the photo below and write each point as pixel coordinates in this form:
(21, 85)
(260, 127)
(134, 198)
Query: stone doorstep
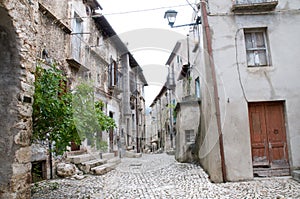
(296, 175)
(266, 172)
(86, 166)
(82, 158)
(100, 170)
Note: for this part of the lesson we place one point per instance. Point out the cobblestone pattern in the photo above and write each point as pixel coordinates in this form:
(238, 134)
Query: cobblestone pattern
(160, 176)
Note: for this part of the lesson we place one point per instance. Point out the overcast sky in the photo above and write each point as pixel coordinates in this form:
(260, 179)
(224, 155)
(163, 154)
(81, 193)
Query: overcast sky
(141, 24)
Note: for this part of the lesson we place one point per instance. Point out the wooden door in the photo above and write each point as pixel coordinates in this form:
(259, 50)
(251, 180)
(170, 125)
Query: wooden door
(268, 136)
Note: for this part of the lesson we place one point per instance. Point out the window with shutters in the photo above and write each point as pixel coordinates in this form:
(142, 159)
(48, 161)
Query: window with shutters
(113, 73)
(77, 28)
(257, 50)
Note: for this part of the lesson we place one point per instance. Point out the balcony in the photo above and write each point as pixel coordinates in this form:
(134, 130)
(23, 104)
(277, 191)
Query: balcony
(240, 6)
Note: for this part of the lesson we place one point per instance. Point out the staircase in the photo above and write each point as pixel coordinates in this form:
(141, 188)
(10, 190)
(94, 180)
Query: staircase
(94, 163)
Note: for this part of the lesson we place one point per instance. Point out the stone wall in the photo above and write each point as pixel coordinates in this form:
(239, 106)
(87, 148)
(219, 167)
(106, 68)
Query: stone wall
(17, 63)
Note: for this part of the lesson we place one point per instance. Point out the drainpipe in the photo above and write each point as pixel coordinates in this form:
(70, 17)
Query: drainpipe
(216, 94)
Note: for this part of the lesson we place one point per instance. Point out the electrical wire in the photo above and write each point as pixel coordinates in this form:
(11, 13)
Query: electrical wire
(146, 10)
(191, 5)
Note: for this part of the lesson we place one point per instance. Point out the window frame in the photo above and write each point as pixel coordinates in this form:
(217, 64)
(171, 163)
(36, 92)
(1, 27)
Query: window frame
(255, 48)
(190, 136)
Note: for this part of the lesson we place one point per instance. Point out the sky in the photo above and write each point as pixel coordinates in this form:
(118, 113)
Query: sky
(141, 25)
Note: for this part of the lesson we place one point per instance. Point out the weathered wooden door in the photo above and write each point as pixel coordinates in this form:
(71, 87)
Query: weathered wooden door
(268, 136)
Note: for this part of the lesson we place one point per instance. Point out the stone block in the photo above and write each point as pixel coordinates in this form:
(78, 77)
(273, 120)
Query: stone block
(23, 155)
(38, 153)
(86, 166)
(65, 169)
(20, 169)
(296, 175)
(130, 154)
(81, 158)
(108, 155)
(23, 138)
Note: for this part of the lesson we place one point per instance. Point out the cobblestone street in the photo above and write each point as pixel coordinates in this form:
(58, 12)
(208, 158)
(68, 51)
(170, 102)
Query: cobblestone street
(160, 176)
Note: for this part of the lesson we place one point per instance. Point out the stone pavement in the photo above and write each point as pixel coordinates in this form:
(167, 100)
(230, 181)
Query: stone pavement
(160, 176)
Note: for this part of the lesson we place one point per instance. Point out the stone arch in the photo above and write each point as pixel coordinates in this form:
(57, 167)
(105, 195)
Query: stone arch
(15, 163)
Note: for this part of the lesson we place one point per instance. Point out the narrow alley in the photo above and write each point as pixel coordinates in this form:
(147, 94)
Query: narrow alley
(160, 176)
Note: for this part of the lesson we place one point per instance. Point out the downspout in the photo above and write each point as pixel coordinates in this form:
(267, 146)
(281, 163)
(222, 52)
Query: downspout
(216, 94)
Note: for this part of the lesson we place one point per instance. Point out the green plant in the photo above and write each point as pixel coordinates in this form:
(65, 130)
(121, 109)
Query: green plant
(53, 185)
(84, 111)
(35, 188)
(105, 122)
(88, 114)
(52, 109)
(102, 145)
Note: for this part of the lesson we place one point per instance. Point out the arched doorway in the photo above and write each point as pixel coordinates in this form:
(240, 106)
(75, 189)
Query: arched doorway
(15, 125)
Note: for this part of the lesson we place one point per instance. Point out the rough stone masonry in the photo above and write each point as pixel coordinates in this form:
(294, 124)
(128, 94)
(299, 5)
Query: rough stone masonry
(17, 65)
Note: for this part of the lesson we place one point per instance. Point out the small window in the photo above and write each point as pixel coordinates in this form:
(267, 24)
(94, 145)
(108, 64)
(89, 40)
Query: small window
(98, 78)
(113, 73)
(189, 136)
(257, 47)
(197, 88)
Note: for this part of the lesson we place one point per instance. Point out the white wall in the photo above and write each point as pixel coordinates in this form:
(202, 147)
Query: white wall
(278, 82)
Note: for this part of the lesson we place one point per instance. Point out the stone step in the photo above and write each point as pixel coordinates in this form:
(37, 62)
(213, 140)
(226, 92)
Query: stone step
(116, 160)
(77, 159)
(75, 153)
(296, 175)
(86, 166)
(110, 165)
(108, 156)
(130, 154)
(268, 172)
(100, 170)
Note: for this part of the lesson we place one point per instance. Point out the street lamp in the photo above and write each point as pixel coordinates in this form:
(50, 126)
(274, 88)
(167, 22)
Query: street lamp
(171, 17)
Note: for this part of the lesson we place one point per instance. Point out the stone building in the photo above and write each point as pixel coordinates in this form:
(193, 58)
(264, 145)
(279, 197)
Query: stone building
(84, 46)
(135, 121)
(88, 48)
(18, 49)
(184, 76)
(254, 87)
(246, 85)
(162, 114)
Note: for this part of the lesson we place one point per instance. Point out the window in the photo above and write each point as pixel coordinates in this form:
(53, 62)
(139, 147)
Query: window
(197, 87)
(113, 73)
(189, 136)
(257, 47)
(76, 37)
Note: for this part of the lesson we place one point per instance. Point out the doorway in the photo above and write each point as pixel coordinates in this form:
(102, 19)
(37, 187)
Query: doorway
(268, 139)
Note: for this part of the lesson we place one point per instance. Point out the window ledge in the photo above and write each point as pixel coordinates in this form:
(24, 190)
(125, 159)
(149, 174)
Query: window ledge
(75, 64)
(260, 68)
(256, 6)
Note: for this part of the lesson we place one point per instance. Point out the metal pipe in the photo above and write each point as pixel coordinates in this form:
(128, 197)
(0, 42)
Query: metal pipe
(136, 112)
(216, 94)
